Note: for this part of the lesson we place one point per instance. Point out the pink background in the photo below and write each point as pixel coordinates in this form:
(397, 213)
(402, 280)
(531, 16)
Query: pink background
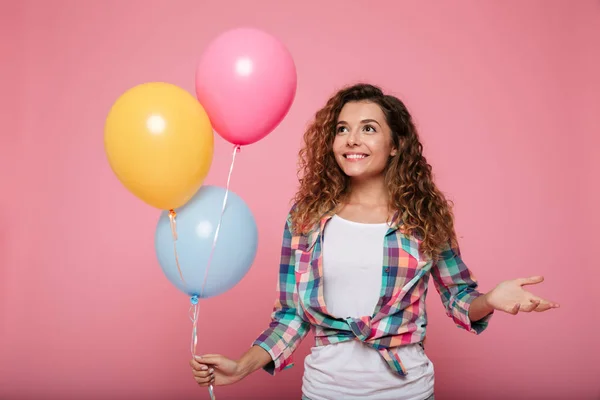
(506, 98)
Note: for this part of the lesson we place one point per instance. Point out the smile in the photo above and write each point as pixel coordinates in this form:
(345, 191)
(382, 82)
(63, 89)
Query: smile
(359, 156)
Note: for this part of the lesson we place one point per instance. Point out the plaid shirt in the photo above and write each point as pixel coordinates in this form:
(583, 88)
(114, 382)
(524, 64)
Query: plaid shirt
(399, 317)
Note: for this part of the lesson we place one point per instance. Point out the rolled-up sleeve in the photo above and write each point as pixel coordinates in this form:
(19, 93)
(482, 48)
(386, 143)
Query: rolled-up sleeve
(457, 288)
(287, 327)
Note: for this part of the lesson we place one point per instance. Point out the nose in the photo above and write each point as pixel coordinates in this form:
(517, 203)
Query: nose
(353, 138)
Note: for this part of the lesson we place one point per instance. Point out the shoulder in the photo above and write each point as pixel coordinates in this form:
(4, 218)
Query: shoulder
(289, 220)
(301, 239)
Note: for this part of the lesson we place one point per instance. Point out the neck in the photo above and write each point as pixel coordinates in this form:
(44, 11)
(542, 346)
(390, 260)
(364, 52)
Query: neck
(369, 192)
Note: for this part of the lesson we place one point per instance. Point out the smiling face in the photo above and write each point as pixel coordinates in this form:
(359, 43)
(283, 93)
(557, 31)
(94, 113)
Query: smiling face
(363, 141)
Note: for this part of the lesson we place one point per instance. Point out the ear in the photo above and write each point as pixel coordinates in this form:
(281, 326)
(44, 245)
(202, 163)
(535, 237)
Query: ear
(393, 152)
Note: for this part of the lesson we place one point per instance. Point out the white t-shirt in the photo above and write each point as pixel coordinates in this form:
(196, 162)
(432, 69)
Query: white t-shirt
(352, 263)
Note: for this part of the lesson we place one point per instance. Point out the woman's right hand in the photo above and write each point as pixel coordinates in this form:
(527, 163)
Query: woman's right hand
(215, 369)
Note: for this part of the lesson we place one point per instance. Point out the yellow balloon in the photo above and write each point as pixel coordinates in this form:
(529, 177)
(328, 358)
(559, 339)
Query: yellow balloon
(159, 142)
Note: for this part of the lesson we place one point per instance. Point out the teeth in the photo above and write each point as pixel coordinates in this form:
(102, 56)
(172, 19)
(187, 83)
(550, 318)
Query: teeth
(355, 156)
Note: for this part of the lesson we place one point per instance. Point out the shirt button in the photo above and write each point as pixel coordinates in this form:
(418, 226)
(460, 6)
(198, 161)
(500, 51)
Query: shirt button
(387, 270)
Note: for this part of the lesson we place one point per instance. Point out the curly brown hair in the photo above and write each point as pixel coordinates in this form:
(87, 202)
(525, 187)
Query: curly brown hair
(420, 207)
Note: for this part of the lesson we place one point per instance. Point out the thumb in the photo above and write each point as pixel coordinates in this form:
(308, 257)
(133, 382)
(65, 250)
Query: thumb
(532, 280)
(212, 359)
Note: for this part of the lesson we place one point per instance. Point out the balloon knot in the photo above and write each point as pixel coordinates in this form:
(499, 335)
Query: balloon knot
(237, 148)
(194, 300)
(172, 213)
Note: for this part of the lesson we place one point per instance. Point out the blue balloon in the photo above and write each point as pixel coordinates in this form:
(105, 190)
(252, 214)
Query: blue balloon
(196, 225)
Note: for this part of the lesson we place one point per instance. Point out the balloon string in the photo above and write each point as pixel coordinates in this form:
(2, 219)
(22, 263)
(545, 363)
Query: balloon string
(236, 149)
(194, 311)
(173, 221)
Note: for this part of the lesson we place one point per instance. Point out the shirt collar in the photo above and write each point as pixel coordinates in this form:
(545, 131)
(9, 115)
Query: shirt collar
(314, 233)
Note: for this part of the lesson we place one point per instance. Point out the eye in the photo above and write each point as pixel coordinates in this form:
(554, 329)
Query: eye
(341, 129)
(369, 128)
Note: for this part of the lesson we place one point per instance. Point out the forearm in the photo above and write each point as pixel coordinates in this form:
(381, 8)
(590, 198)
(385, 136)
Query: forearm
(479, 308)
(254, 359)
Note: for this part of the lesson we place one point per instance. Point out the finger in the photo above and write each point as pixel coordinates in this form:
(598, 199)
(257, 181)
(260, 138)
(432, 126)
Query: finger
(545, 306)
(204, 384)
(546, 303)
(533, 304)
(204, 374)
(514, 310)
(198, 366)
(205, 381)
(209, 359)
(532, 280)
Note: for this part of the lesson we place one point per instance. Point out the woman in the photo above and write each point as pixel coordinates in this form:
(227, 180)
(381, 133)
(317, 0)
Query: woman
(368, 228)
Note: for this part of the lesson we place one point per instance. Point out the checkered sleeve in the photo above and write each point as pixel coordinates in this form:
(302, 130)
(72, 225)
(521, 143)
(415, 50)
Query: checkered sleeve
(287, 327)
(457, 287)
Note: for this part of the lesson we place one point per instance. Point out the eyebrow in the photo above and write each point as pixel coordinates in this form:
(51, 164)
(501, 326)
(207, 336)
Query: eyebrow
(364, 121)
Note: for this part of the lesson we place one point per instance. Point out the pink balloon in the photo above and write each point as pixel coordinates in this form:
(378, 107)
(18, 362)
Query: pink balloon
(246, 82)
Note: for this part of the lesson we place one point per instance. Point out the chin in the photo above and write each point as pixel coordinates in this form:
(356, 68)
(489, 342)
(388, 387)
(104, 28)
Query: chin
(357, 174)
(362, 174)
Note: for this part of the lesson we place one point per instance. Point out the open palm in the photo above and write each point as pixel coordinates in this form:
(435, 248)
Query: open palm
(511, 297)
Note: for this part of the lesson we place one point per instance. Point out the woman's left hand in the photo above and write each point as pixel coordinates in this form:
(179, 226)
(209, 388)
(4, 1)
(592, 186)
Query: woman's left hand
(511, 297)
